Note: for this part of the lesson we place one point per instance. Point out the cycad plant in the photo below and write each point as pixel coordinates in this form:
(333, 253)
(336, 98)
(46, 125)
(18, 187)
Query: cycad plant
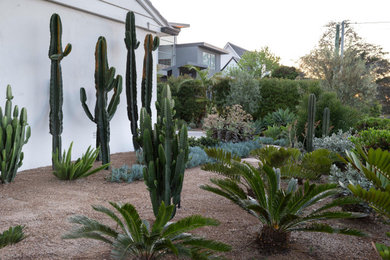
(139, 240)
(12, 236)
(281, 210)
(65, 169)
(375, 165)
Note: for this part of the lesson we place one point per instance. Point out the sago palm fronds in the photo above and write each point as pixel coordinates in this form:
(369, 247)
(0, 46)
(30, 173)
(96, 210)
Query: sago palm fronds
(280, 210)
(140, 240)
(12, 236)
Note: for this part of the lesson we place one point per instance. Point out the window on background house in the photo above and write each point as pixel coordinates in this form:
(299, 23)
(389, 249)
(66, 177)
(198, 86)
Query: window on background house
(209, 60)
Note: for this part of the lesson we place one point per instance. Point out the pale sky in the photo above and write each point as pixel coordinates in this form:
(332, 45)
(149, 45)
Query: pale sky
(290, 28)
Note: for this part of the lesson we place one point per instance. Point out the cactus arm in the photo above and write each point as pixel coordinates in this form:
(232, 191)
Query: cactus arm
(147, 73)
(115, 99)
(83, 99)
(311, 122)
(326, 122)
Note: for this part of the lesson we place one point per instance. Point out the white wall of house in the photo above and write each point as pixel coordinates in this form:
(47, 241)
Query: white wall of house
(24, 64)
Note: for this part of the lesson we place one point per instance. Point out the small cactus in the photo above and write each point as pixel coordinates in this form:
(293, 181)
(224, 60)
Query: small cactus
(325, 122)
(56, 54)
(310, 122)
(14, 133)
(104, 82)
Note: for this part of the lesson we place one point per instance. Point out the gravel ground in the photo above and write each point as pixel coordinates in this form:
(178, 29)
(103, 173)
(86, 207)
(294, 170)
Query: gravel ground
(43, 204)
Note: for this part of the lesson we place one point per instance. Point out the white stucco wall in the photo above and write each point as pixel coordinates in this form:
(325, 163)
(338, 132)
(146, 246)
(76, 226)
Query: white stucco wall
(24, 64)
(225, 58)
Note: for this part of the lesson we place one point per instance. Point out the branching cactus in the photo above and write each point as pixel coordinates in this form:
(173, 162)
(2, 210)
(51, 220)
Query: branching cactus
(131, 77)
(14, 133)
(325, 122)
(105, 81)
(165, 152)
(310, 122)
(56, 54)
(150, 45)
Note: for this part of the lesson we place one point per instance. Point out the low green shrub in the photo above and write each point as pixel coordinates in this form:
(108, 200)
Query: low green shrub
(65, 169)
(354, 177)
(374, 123)
(275, 132)
(126, 174)
(241, 149)
(203, 141)
(372, 138)
(197, 156)
(338, 142)
(268, 140)
(318, 162)
(235, 125)
(12, 236)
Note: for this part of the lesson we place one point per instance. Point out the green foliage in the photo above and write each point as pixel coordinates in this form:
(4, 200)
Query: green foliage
(276, 157)
(126, 174)
(14, 133)
(318, 162)
(166, 153)
(281, 210)
(280, 93)
(190, 102)
(241, 149)
(220, 92)
(341, 116)
(203, 141)
(104, 111)
(280, 117)
(325, 122)
(259, 63)
(233, 125)
(383, 250)
(338, 142)
(56, 54)
(12, 236)
(197, 156)
(275, 132)
(65, 169)
(285, 72)
(372, 138)
(139, 239)
(131, 76)
(374, 123)
(244, 91)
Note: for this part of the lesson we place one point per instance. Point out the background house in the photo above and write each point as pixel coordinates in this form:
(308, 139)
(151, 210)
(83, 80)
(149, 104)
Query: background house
(24, 64)
(176, 57)
(231, 59)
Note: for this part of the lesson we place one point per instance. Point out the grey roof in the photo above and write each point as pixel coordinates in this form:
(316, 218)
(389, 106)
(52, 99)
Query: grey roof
(204, 45)
(240, 51)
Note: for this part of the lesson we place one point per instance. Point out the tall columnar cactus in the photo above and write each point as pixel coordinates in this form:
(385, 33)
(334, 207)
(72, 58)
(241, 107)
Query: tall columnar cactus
(104, 82)
(150, 45)
(56, 54)
(14, 133)
(310, 122)
(325, 122)
(131, 77)
(166, 154)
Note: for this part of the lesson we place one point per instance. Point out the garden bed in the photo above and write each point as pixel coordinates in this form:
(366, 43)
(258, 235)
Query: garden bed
(41, 202)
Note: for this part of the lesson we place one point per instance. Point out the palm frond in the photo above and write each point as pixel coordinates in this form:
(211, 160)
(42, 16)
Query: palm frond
(328, 229)
(379, 200)
(187, 224)
(11, 236)
(221, 155)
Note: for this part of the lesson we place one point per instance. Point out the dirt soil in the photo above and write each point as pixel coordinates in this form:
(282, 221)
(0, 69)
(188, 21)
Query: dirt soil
(41, 202)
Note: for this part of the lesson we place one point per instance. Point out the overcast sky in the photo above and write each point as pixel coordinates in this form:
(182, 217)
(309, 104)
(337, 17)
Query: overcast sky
(290, 28)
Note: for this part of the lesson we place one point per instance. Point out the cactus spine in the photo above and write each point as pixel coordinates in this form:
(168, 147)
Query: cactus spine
(325, 122)
(131, 77)
(104, 82)
(310, 122)
(14, 133)
(166, 154)
(150, 45)
(56, 54)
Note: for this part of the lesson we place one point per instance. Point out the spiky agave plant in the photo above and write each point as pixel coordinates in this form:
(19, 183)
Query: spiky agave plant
(12, 236)
(140, 241)
(281, 211)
